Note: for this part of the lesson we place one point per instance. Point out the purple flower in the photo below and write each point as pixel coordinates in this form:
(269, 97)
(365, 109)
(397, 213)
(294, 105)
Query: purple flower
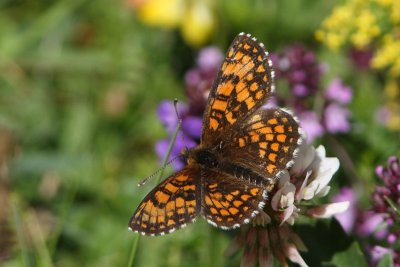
(377, 252)
(382, 221)
(382, 115)
(369, 223)
(337, 91)
(310, 123)
(387, 196)
(348, 218)
(188, 136)
(191, 125)
(302, 72)
(199, 79)
(198, 82)
(390, 177)
(167, 114)
(336, 118)
(361, 58)
(192, 77)
(209, 58)
(299, 67)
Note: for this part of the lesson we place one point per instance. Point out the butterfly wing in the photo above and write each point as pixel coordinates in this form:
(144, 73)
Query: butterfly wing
(228, 202)
(267, 143)
(243, 84)
(170, 205)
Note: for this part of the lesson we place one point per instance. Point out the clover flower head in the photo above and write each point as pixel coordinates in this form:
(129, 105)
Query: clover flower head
(386, 198)
(270, 235)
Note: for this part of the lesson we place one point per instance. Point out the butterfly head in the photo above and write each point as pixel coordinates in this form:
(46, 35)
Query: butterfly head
(187, 155)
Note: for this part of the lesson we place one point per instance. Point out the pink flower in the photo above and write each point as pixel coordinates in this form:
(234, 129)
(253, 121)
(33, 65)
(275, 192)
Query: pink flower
(311, 125)
(348, 218)
(338, 92)
(337, 118)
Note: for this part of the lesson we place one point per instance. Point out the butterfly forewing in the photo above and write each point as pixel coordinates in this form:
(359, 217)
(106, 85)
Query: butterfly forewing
(243, 84)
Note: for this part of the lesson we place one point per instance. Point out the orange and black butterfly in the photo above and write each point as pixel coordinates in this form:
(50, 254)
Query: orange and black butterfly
(242, 152)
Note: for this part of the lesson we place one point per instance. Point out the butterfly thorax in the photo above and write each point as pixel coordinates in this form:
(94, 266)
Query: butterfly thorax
(211, 159)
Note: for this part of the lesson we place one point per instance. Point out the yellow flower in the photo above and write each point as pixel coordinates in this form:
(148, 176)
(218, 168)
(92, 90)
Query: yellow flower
(194, 18)
(340, 15)
(388, 55)
(198, 24)
(384, 3)
(166, 13)
(366, 24)
(392, 95)
(334, 40)
(392, 89)
(393, 122)
(366, 28)
(395, 12)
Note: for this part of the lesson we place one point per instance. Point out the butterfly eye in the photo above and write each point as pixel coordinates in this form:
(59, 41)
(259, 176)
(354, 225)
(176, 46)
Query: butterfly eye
(185, 153)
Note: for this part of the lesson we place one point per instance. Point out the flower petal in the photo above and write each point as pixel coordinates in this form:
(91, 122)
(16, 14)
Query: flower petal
(284, 197)
(303, 160)
(167, 115)
(293, 254)
(347, 219)
(191, 125)
(327, 210)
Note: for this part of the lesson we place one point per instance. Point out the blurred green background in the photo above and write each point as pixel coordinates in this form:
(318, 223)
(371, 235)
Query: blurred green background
(80, 82)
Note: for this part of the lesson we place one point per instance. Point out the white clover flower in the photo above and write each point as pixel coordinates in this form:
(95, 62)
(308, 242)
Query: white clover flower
(307, 179)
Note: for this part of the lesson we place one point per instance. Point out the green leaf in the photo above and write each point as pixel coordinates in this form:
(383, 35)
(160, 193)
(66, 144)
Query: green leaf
(353, 256)
(386, 261)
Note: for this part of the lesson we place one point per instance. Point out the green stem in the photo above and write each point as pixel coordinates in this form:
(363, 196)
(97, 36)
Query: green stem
(44, 258)
(133, 250)
(65, 208)
(20, 235)
(158, 179)
(392, 205)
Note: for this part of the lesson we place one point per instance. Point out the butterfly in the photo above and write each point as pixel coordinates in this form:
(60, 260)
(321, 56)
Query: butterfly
(243, 151)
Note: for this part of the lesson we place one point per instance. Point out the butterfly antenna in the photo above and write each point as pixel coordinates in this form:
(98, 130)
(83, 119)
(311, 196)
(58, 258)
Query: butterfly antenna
(176, 108)
(177, 115)
(144, 181)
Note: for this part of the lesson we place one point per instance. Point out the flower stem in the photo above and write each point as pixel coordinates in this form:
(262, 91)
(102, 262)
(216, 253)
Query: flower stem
(20, 235)
(158, 179)
(43, 253)
(392, 205)
(171, 144)
(65, 208)
(133, 250)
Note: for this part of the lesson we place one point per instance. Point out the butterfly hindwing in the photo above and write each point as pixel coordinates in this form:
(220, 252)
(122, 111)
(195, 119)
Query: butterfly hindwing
(244, 82)
(228, 202)
(266, 143)
(170, 205)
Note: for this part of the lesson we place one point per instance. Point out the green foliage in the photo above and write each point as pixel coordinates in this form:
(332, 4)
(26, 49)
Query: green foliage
(351, 257)
(80, 82)
(386, 261)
